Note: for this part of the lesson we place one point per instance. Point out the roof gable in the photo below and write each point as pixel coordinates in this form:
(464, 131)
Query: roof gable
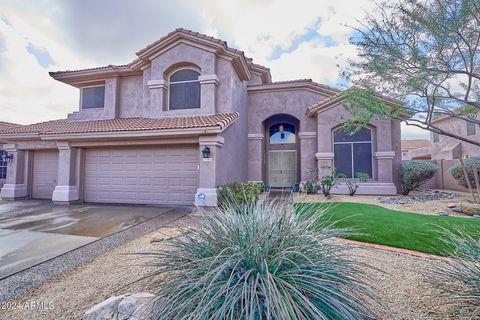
(243, 66)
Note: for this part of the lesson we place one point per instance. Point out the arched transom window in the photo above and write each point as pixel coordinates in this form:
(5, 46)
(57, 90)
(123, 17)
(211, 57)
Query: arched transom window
(282, 133)
(184, 90)
(353, 153)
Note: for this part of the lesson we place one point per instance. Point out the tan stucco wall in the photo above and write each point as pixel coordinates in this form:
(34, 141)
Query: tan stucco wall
(453, 148)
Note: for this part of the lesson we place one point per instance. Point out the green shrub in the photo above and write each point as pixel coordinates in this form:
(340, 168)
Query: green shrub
(470, 164)
(267, 263)
(239, 192)
(415, 173)
(458, 279)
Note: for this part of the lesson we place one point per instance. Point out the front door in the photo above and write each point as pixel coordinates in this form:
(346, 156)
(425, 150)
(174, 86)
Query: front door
(282, 171)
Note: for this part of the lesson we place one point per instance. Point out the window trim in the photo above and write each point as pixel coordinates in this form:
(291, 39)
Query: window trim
(351, 149)
(188, 81)
(93, 86)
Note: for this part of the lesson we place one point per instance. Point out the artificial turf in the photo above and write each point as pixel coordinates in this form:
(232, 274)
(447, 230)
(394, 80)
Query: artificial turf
(375, 224)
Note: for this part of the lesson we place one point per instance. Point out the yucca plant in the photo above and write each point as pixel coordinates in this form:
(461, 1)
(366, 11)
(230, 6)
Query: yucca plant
(266, 262)
(458, 277)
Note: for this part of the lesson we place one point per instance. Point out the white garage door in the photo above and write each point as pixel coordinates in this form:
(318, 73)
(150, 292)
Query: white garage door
(45, 173)
(160, 175)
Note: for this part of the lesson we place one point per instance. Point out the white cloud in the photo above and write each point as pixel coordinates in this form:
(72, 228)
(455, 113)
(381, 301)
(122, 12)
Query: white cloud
(312, 60)
(260, 28)
(412, 132)
(27, 93)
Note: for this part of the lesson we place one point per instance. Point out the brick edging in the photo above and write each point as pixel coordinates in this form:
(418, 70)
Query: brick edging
(391, 249)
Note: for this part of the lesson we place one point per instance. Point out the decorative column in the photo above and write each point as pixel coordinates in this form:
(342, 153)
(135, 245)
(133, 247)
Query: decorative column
(17, 172)
(158, 96)
(384, 161)
(307, 142)
(208, 86)
(66, 190)
(255, 157)
(206, 195)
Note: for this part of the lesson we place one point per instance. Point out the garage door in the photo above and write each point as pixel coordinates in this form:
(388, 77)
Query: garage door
(166, 175)
(45, 173)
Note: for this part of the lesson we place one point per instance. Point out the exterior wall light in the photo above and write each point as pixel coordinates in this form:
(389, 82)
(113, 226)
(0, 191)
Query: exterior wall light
(206, 152)
(6, 157)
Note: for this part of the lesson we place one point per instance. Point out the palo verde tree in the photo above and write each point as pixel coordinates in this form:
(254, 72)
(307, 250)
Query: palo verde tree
(424, 53)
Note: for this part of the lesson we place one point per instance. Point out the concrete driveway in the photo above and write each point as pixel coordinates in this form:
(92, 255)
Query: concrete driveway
(35, 231)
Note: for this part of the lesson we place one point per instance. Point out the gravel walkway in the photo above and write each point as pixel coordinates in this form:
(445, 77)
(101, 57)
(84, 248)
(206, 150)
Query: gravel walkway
(24, 281)
(402, 290)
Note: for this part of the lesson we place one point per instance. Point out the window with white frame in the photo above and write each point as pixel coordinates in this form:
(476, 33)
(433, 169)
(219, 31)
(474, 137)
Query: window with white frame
(184, 90)
(3, 166)
(353, 153)
(93, 97)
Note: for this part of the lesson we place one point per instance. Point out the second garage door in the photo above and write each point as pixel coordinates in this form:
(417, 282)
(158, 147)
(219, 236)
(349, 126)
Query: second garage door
(163, 175)
(45, 173)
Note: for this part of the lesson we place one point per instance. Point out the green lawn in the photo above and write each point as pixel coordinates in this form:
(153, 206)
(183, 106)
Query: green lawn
(375, 224)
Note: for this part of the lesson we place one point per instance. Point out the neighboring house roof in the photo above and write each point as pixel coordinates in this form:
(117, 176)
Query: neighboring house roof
(414, 144)
(64, 126)
(243, 65)
(7, 125)
(339, 98)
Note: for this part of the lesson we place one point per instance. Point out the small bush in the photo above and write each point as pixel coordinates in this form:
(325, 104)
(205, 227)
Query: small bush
(470, 164)
(415, 173)
(458, 279)
(239, 192)
(267, 263)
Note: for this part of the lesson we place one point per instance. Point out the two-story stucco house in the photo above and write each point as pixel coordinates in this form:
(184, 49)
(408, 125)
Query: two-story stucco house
(187, 115)
(448, 148)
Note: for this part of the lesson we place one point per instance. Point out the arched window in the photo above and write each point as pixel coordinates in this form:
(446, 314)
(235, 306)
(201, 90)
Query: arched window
(184, 90)
(353, 153)
(282, 133)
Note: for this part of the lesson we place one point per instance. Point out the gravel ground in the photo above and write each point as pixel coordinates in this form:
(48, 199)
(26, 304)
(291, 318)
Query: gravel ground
(402, 291)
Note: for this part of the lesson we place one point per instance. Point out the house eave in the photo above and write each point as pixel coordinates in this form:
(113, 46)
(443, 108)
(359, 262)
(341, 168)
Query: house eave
(276, 87)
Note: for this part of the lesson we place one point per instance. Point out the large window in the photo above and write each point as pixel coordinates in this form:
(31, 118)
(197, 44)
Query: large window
(435, 137)
(353, 153)
(93, 97)
(471, 130)
(184, 90)
(282, 133)
(3, 166)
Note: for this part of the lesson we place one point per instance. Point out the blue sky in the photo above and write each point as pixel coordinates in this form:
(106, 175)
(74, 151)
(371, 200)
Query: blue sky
(296, 39)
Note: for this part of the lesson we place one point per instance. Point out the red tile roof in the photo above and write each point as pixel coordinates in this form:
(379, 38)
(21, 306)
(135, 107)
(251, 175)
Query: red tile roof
(7, 125)
(124, 125)
(414, 144)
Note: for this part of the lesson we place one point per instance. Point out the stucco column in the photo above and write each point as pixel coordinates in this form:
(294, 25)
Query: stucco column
(66, 189)
(207, 192)
(308, 144)
(158, 98)
(384, 163)
(17, 173)
(324, 163)
(255, 156)
(208, 87)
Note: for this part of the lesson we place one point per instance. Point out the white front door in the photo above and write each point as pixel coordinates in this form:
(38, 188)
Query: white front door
(282, 168)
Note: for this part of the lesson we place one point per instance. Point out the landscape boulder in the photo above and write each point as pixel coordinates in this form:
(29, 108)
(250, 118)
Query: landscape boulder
(442, 213)
(137, 306)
